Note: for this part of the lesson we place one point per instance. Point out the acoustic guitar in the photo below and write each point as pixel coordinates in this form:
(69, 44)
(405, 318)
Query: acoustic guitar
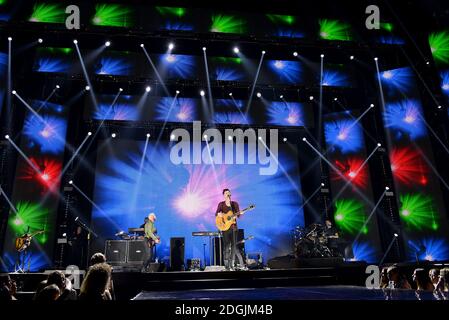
(228, 219)
(22, 243)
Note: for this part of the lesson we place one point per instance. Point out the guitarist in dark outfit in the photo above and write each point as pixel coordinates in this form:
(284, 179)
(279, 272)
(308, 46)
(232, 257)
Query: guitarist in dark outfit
(230, 236)
(22, 245)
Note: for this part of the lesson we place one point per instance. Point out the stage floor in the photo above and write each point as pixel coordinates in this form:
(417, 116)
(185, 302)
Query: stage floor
(294, 293)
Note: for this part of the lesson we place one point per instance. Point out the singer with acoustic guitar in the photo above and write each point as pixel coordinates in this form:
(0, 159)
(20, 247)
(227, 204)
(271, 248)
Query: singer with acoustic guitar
(226, 219)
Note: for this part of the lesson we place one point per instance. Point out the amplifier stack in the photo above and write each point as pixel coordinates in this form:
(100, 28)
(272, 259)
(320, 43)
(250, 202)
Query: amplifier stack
(119, 252)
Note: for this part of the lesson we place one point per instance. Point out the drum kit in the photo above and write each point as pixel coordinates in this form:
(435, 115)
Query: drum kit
(312, 242)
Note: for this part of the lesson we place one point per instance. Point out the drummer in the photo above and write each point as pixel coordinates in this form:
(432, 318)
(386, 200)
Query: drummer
(329, 230)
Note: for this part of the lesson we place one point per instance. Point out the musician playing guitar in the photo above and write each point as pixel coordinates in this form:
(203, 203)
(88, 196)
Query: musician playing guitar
(151, 238)
(230, 236)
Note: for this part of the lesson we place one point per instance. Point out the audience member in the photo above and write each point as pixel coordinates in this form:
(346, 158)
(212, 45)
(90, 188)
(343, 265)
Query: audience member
(49, 293)
(96, 283)
(396, 279)
(384, 278)
(434, 275)
(65, 286)
(422, 280)
(97, 258)
(8, 288)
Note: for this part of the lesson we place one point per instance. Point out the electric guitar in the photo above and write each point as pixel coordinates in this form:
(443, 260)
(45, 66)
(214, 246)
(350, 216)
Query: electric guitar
(228, 219)
(246, 239)
(151, 243)
(22, 243)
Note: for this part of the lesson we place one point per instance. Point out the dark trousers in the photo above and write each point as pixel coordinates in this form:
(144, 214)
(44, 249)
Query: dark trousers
(150, 254)
(230, 250)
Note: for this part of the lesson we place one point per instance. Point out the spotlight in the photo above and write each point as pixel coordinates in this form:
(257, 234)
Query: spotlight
(335, 99)
(177, 92)
(114, 135)
(107, 43)
(439, 107)
(148, 135)
(387, 188)
(172, 137)
(396, 235)
(379, 145)
(120, 89)
(205, 137)
(260, 138)
(281, 97)
(311, 98)
(204, 48)
(375, 59)
(202, 93)
(57, 86)
(148, 89)
(230, 94)
(40, 40)
(14, 92)
(7, 137)
(295, 54)
(371, 105)
(263, 52)
(142, 45)
(322, 184)
(9, 39)
(89, 133)
(322, 55)
(71, 182)
(45, 177)
(351, 57)
(230, 138)
(304, 139)
(87, 88)
(428, 62)
(75, 41)
(171, 46)
(236, 50)
(259, 95)
(285, 139)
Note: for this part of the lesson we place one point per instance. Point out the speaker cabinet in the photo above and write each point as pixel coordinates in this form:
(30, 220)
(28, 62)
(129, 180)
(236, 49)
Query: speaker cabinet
(218, 252)
(138, 251)
(116, 251)
(177, 246)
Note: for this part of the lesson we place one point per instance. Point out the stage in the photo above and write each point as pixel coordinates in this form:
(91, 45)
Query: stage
(331, 292)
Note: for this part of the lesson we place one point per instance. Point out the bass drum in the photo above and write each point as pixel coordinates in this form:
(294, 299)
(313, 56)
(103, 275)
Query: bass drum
(304, 248)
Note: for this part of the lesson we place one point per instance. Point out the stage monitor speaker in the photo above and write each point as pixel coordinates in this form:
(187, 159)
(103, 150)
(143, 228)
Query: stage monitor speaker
(116, 251)
(157, 267)
(138, 251)
(283, 262)
(177, 246)
(218, 259)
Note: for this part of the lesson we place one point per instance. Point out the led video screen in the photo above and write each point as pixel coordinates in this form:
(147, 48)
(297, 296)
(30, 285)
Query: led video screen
(184, 110)
(134, 178)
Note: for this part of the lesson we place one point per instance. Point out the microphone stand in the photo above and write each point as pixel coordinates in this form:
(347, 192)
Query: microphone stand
(89, 233)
